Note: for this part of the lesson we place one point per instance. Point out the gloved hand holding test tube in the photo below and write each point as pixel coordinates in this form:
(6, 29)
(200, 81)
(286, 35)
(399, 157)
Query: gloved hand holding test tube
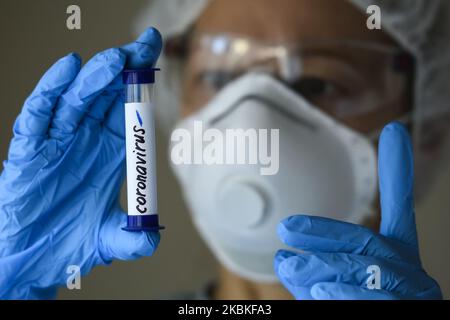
(70, 136)
(140, 150)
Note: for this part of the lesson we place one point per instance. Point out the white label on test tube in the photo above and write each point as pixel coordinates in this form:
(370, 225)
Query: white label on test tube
(141, 162)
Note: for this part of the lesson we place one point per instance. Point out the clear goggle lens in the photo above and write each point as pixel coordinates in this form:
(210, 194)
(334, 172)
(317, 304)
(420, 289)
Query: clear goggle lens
(344, 78)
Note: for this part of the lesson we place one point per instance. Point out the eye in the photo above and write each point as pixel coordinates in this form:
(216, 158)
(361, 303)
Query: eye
(314, 89)
(215, 79)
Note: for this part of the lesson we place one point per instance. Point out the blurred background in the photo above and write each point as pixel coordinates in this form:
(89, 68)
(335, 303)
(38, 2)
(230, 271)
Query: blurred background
(34, 35)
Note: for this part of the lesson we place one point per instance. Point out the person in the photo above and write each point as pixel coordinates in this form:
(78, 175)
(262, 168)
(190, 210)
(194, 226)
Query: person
(311, 69)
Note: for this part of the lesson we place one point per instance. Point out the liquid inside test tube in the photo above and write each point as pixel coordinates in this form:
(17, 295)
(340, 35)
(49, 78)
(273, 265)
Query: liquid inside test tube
(140, 150)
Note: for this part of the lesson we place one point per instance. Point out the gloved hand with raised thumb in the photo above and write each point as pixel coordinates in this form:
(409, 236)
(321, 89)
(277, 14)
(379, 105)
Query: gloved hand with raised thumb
(59, 190)
(348, 261)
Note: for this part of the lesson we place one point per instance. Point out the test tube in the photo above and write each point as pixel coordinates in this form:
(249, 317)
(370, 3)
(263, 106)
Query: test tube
(140, 150)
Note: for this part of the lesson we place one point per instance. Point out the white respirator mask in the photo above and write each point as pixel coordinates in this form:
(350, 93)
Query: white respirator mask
(306, 163)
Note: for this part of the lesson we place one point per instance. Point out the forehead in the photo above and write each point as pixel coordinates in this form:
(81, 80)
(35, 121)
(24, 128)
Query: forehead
(288, 20)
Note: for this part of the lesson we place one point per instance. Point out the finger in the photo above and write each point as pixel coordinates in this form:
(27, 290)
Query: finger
(143, 52)
(319, 234)
(115, 243)
(115, 119)
(299, 292)
(93, 78)
(396, 175)
(102, 104)
(36, 114)
(342, 291)
(308, 269)
(280, 256)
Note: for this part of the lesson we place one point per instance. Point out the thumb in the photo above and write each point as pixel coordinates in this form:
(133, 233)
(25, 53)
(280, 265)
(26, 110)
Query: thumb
(143, 52)
(396, 174)
(115, 243)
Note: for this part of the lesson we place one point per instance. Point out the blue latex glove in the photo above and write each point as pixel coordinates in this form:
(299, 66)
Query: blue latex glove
(337, 254)
(59, 190)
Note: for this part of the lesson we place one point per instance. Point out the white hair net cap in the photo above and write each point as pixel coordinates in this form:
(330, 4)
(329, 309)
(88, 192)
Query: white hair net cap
(422, 27)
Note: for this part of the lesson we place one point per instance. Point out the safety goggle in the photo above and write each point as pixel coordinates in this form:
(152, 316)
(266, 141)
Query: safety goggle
(345, 78)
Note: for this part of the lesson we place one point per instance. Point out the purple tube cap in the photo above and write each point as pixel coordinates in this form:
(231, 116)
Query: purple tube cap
(143, 223)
